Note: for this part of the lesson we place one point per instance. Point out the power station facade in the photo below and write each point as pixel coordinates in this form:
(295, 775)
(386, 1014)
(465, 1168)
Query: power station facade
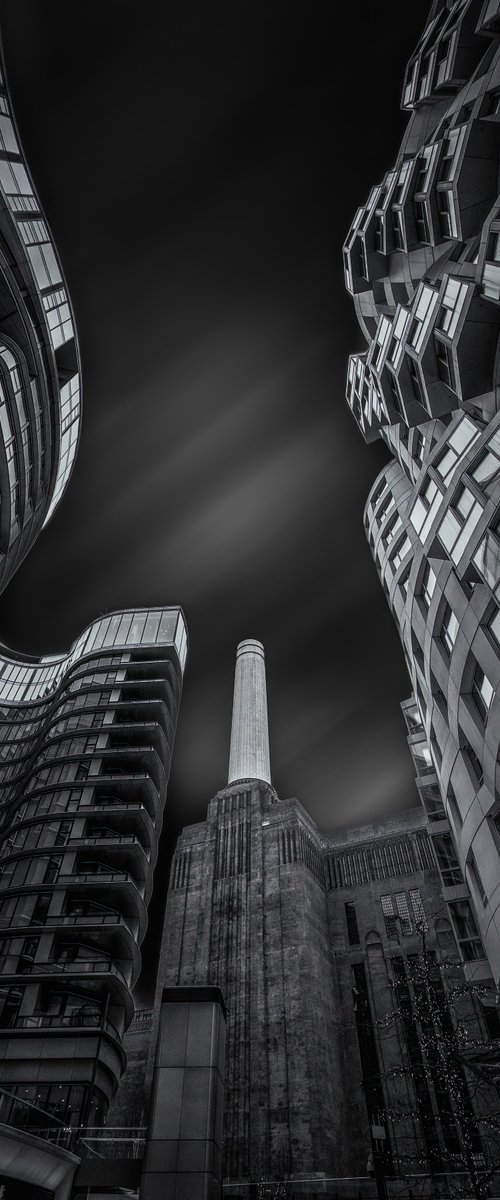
(340, 959)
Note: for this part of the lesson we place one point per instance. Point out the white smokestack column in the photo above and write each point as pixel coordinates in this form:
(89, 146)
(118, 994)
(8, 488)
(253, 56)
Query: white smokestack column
(249, 753)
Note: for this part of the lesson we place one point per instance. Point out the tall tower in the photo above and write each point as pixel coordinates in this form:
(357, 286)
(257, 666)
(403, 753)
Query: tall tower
(247, 911)
(249, 752)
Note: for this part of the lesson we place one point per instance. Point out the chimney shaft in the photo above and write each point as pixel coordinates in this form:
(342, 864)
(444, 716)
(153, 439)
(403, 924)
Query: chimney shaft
(249, 753)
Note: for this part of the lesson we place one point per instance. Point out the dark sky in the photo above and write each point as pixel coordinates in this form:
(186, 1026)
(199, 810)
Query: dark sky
(200, 164)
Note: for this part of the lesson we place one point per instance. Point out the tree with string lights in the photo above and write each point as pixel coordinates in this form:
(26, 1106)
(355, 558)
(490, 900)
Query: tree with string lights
(450, 1067)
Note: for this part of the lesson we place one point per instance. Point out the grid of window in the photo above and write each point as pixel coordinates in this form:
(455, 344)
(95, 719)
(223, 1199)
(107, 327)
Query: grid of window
(418, 909)
(390, 919)
(403, 913)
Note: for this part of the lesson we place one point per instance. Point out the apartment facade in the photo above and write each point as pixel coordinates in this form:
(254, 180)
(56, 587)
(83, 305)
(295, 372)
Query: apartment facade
(423, 266)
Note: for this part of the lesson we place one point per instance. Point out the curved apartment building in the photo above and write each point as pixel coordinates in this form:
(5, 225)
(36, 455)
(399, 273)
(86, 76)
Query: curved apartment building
(40, 382)
(85, 745)
(85, 738)
(422, 261)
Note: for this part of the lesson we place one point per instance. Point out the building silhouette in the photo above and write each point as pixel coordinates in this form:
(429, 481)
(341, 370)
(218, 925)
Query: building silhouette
(422, 262)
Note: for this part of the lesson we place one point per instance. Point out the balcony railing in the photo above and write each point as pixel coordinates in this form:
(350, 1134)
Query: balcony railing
(76, 1020)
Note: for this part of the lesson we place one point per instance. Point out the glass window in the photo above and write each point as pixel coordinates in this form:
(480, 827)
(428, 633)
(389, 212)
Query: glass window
(102, 630)
(428, 585)
(451, 152)
(449, 628)
(123, 630)
(418, 909)
(152, 626)
(481, 691)
(466, 930)
(446, 212)
(390, 919)
(445, 365)
(452, 303)
(447, 860)
(459, 523)
(400, 553)
(476, 879)
(403, 913)
(137, 628)
(167, 626)
(421, 316)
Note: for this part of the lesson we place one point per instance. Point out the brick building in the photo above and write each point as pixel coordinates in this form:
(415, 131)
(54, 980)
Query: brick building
(317, 946)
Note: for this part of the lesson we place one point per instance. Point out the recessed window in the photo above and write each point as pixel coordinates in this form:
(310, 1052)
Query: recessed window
(453, 809)
(476, 879)
(490, 282)
(451, 306)
(487, 468)
(446, 213)
(422, 222)
(352, 924)
(444, 362)
(402, 549)
(459, 523)
(417, 905)
(390, 918)
(447, 860)
(428, 585)
(451, 151)
(449, 628)
(473, 763)
(421, 316)
(481, 691)
(466, 930)
(494, 626)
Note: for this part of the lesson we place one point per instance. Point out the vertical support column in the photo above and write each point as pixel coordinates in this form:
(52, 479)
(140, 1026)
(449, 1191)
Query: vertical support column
(183, 1156)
